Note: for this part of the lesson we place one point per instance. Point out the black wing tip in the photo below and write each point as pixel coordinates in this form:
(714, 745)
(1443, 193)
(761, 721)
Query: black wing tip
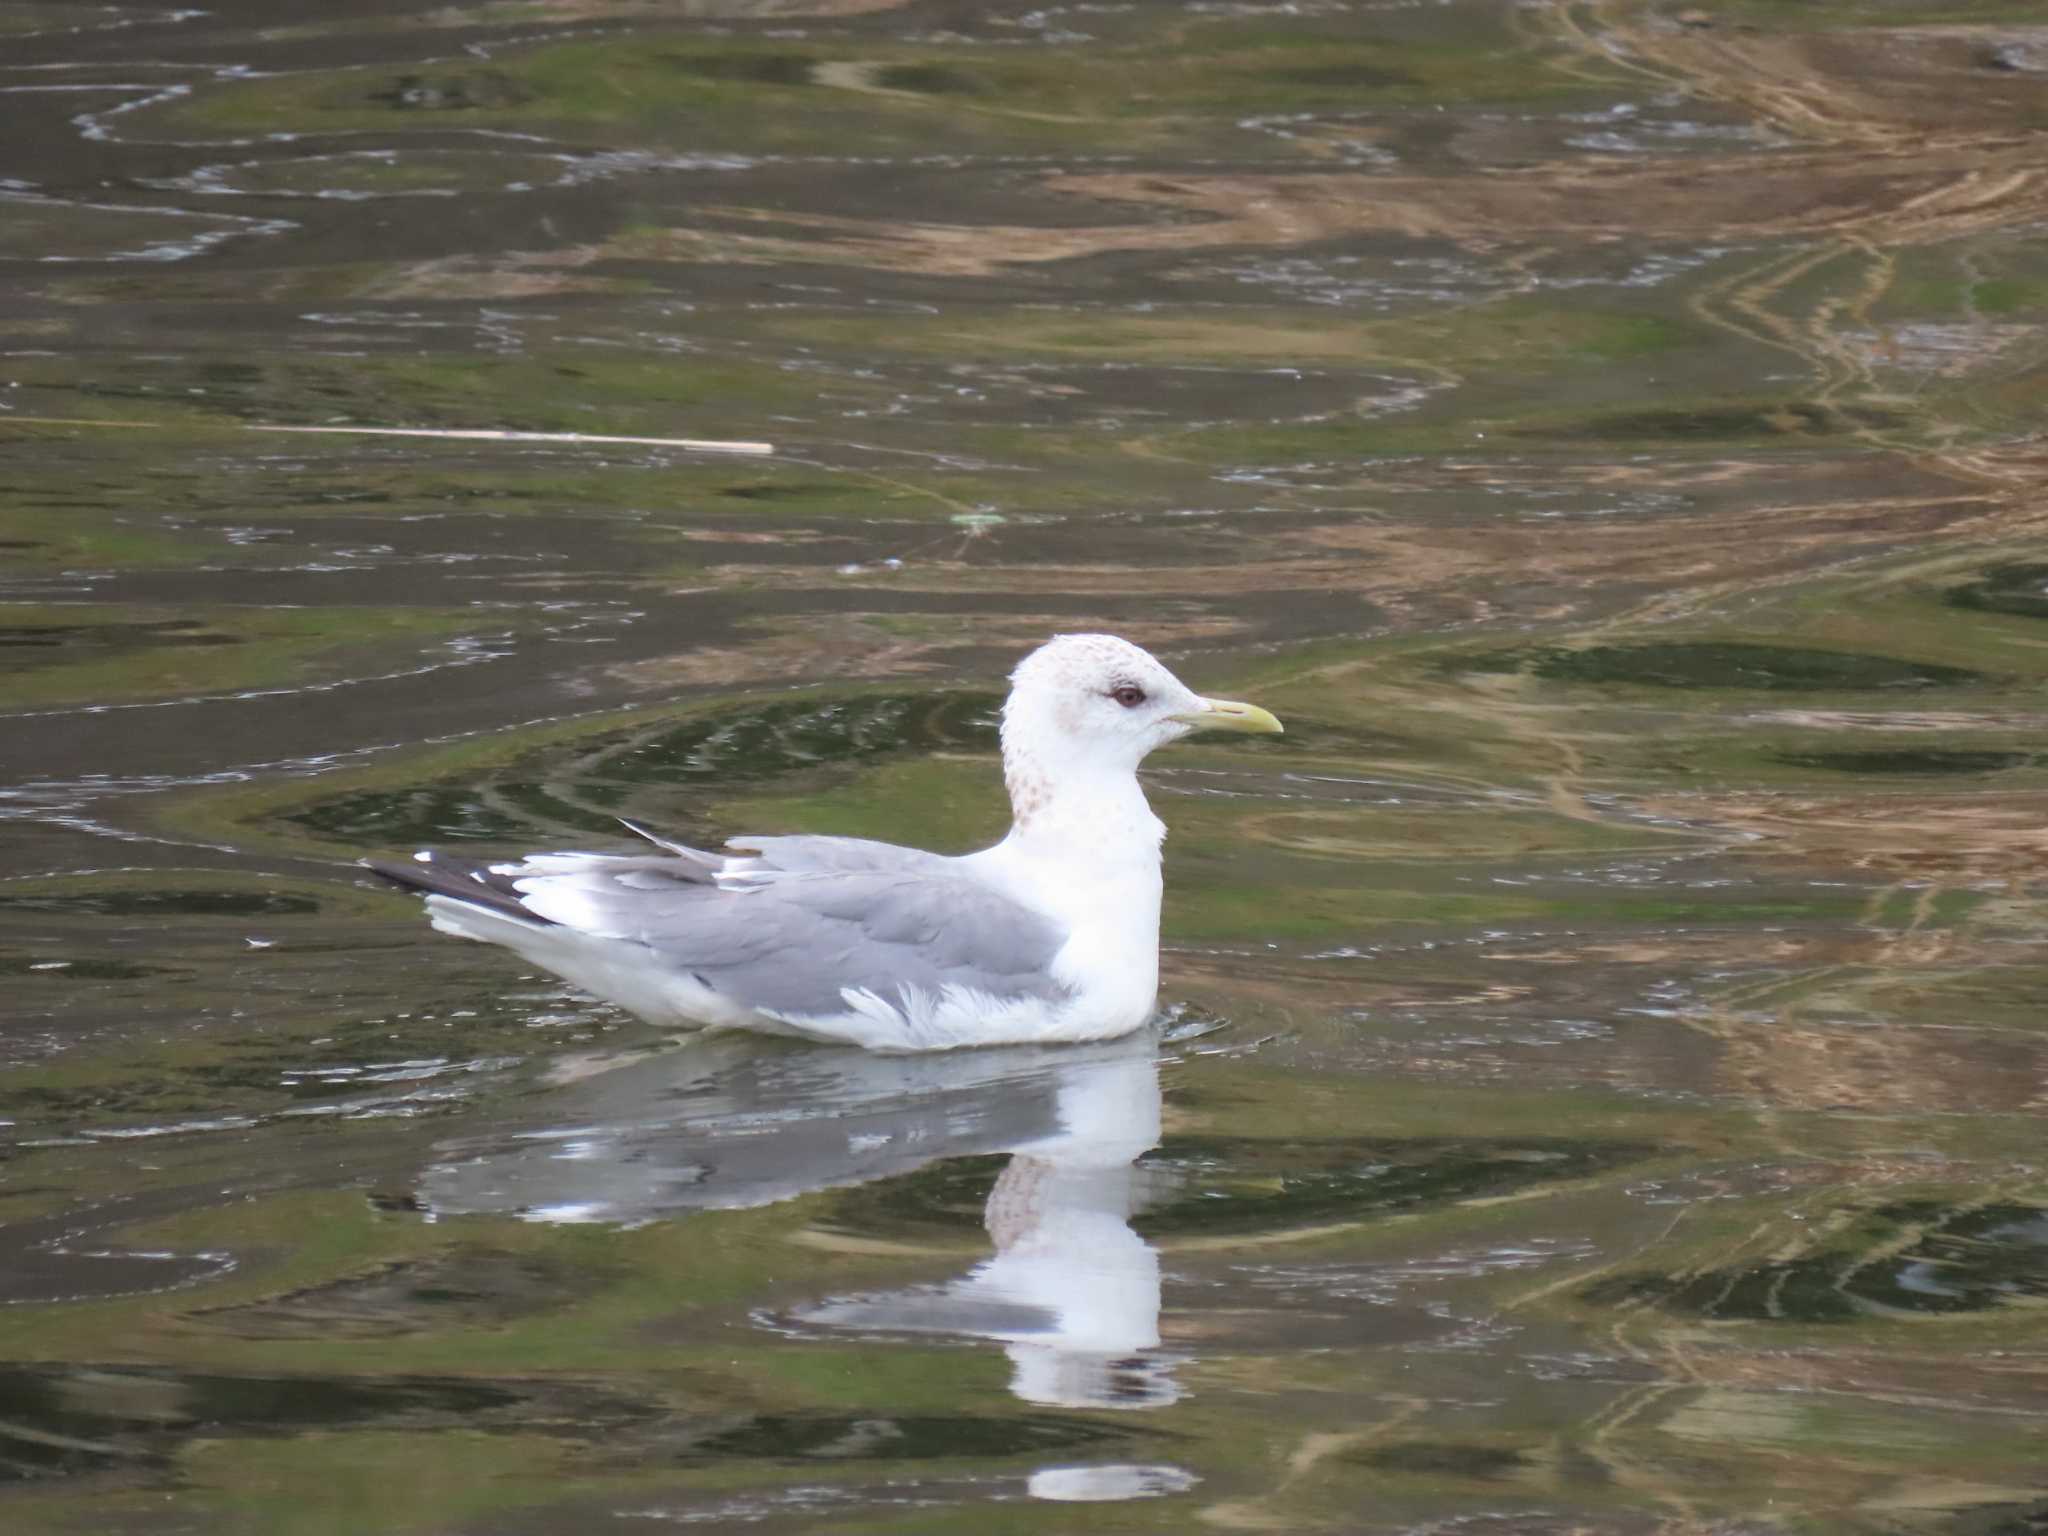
(463, 880)
(410, 876)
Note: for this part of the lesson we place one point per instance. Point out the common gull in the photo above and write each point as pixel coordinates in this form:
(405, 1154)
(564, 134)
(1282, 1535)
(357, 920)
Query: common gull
(1050, 935)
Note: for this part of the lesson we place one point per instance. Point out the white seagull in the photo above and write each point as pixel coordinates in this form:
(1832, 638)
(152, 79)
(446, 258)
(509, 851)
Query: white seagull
(1050, 935)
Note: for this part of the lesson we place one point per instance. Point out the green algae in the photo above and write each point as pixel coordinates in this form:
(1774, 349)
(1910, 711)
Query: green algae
(881, 97)
(57, 656)
(1727, 665)
(1913, 1258)
(2019, 589)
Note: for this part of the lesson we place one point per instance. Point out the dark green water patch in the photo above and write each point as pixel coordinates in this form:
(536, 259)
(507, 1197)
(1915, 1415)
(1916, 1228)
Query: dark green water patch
(472, 1287)
(1802, 1291)
(768, 490)
(453, 812)
(931, 80)
(1718, 423)
(423, 813)
(1955, 1259)
(952, 1194)
(171, 903)
(1966, 1261)
(58, 968)
(1444, 1458)
(2018, 589)
(1244, 1184)
(63, 1420)
(744, 746)
(1733, 664)
(111, 636)
(1364, 77)
(578, 793)
(762, 68)
(847, 1437)
(478, 90)
(545, 807)
(40, 1438)
(270, 1403)
(1920, 761)
(2032, 1521)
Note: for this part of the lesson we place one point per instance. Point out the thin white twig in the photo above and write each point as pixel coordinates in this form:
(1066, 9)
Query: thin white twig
(480, 435)
(694, 444)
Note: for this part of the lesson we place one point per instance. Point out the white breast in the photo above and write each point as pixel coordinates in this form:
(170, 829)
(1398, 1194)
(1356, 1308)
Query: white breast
(1092, 866)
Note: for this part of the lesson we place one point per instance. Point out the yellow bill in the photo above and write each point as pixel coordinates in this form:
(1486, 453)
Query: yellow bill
(1230, 715)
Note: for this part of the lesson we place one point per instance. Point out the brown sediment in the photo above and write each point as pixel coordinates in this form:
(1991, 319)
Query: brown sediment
(1879, 1068)
(820, 647)
(1682, 561)
(1907, 720)
(1666, 565)
(689, 10)
(1901, 138)
(1703, 950)
(502, 275)
(1912, 197)
(1881, 88)
(1957, 838)
(1898, 165)
(1819, 1038)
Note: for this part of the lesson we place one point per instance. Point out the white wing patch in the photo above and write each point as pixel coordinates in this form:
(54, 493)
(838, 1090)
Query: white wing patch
(945, 1018)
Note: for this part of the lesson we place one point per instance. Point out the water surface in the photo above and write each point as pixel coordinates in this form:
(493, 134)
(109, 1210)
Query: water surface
(1602, 1082)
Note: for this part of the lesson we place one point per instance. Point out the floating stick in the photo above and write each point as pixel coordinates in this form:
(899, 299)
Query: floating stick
(478, 435)
(694, 444)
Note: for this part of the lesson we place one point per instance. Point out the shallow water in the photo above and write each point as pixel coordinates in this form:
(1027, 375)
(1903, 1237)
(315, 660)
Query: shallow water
(1602, 1081)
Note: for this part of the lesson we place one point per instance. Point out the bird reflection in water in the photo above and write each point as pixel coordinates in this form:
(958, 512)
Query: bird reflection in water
(1071, 1291)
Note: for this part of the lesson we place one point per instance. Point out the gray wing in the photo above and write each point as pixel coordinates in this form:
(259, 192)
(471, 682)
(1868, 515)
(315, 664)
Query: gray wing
(766, 857)
(784, 925)
(793, 944)
(771, 856)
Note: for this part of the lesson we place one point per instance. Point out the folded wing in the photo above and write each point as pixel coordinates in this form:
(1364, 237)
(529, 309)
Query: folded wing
(795, 928)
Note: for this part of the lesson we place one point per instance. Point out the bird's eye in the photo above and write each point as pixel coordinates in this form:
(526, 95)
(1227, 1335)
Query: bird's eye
(1130, 695)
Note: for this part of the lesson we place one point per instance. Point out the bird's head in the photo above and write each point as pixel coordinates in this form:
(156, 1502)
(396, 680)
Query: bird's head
(1102, 702)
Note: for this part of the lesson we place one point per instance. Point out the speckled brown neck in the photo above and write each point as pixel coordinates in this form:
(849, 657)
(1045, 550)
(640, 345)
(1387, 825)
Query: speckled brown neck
(1029, 785)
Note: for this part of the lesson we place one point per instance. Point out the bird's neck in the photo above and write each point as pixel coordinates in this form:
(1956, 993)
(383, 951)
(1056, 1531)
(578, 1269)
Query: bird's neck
(1083, 849)
(1067, 804)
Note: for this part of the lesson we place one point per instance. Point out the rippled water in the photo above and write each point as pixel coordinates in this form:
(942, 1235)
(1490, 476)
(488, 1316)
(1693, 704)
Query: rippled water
(1603, 1076)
